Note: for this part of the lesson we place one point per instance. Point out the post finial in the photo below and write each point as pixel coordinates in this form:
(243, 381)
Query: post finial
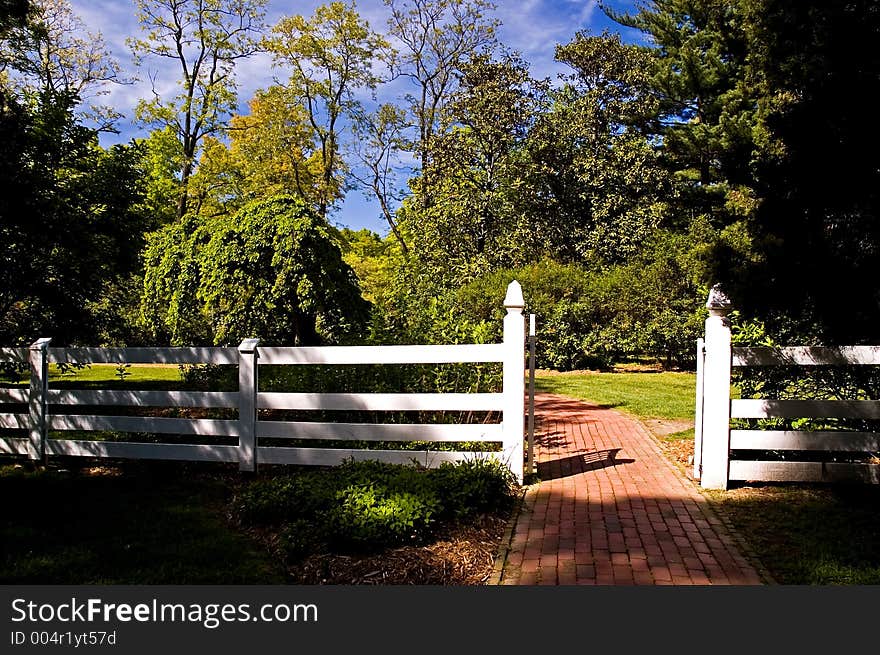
(718, 302)
(41, 344)
(248, 345)
(514, 297)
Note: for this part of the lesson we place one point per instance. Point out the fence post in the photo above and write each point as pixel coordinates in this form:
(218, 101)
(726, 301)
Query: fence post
(531, 425)
(698, 414)
(716, 393)
(248, 384)
(514, 383)
(38, 360)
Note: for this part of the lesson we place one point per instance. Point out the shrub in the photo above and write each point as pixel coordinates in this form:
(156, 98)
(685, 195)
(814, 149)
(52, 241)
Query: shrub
(473, 487)
(286, 498)
(369, 516)
(369, 505)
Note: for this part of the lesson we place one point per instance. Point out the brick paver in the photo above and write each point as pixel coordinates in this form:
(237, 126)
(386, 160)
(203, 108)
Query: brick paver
(611, 510)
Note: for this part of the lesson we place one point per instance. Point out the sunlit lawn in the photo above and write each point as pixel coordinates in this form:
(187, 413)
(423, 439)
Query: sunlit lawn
(668, 395)
(109, 376)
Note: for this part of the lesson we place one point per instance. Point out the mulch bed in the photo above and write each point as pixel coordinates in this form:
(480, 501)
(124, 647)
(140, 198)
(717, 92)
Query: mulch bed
(680, 451)
(462, 554)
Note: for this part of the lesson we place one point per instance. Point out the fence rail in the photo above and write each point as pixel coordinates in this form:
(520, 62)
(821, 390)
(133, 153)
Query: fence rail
(722, 454)
(44, 409)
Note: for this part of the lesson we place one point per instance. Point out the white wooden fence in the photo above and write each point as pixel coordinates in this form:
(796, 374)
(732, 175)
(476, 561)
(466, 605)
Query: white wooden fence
(48, 409)
(714, 440)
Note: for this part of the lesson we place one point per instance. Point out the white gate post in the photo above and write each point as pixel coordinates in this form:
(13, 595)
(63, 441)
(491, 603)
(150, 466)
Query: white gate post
(38, 360)
(248, 384)
(512, 420)
(698, 414)
(716, 393)
(530, 459)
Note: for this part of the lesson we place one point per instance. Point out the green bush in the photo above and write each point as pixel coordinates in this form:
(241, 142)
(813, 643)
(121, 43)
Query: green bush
(473, 487)
(370, 516)
(286, 498)
(592, 316)
(370, 505)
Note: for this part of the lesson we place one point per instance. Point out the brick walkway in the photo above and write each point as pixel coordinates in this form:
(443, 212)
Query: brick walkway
(610, 509)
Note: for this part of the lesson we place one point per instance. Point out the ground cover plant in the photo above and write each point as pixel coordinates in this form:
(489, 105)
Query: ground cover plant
(368, 506)
(801, 533)
(169, 523)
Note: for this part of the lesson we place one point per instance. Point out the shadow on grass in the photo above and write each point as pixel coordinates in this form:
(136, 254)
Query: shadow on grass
(815, 535)
(150, 525)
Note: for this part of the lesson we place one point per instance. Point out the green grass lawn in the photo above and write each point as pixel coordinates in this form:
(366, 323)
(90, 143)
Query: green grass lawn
(147, 524)
(810, 534)
(136, 376)
(646, 395)
(106, 376)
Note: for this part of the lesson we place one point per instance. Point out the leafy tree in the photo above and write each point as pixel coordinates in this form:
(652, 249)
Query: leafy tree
(818, 223)
(54, 53)
(269, 152)
(598, 189)
(273, 270)
(436, 38)
(760, 120)
(475, 221)
(205, 38)
(71, 228)
(374, 261)
(163, 159)
(330, 57)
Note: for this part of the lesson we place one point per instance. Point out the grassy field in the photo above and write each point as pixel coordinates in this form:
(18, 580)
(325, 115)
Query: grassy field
(646, 395)
(107, 376)
(152, 524)
(803, 534)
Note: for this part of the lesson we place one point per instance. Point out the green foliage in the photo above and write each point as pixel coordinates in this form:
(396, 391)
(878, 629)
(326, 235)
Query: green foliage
(469, 219)
(473, 487)
(370, 505)
(594, 317)
(72, 227)
(369, 517)
(374, 261)
(330, 57)
(207, 38)
(599, 190)
(273, 270)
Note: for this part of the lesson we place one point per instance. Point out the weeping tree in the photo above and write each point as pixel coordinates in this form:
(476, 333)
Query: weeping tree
(274, 270)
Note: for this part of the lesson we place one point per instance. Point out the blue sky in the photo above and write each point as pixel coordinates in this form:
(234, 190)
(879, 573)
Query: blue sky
(531, 27)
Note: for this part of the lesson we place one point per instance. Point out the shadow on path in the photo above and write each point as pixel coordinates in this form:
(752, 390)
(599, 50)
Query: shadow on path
(580, 463)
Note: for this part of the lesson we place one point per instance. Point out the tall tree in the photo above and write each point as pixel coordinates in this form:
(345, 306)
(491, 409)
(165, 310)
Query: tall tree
(270, 151)
(72, 227)
(273, 270)
(475, 221)
(763, 123)
(54, 53)
(598, 190)
(330, 57)
(818, 223)
(205, 38)
(436, 37)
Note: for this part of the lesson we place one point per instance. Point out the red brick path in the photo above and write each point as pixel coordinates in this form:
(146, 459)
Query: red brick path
(610, 509)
